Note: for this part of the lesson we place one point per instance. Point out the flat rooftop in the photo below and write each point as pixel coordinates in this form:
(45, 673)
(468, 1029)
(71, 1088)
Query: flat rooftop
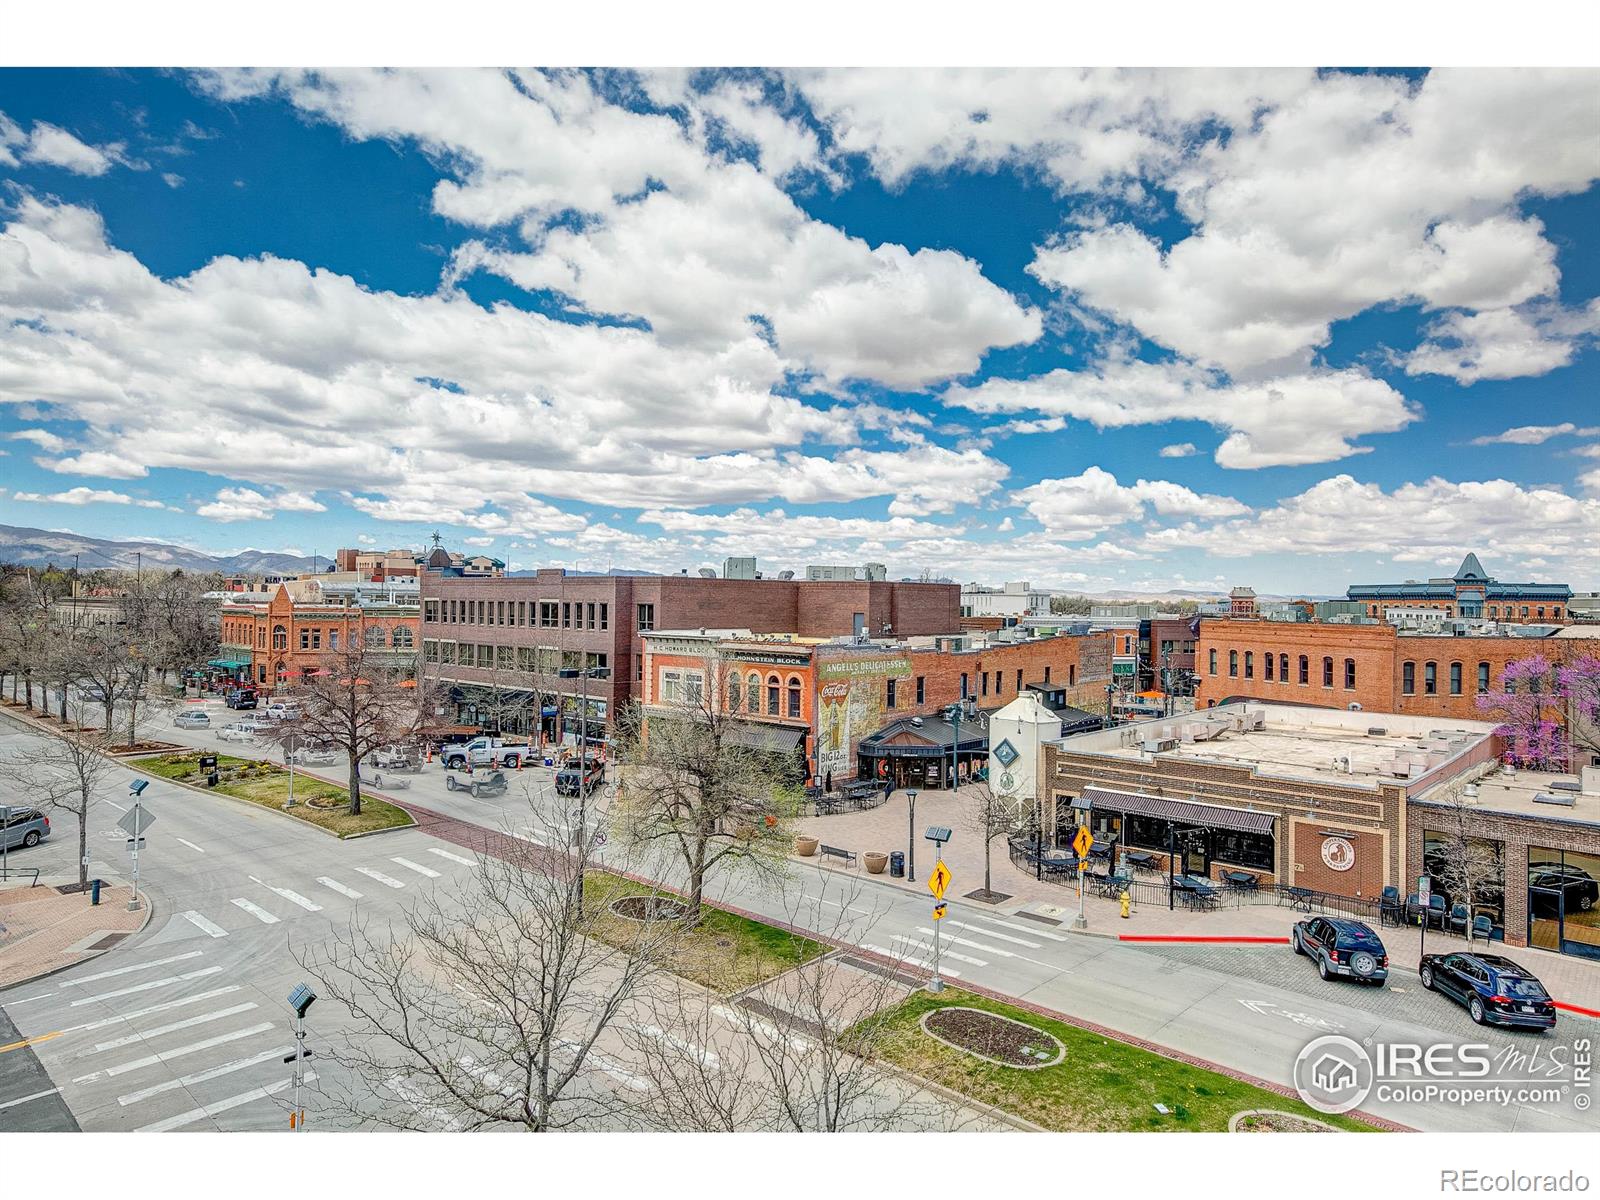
(1516, 793)
(1286, 741)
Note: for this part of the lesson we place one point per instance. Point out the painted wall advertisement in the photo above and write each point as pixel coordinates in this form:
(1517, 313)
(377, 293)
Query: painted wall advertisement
(851, 695)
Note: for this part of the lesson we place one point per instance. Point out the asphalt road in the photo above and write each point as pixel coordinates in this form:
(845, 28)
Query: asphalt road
(223, 875)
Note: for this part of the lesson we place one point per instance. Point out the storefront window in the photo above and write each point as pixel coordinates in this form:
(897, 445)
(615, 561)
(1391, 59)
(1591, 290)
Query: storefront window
(1239, 849)
(1460, 865)
(1564, 901)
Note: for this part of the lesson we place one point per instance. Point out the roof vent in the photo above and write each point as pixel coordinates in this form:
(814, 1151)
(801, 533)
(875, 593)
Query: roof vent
(1377, 731)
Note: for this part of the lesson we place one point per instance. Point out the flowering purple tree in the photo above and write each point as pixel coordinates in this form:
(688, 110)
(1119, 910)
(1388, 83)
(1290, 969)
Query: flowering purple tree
(1523, 708)
(1579, 683)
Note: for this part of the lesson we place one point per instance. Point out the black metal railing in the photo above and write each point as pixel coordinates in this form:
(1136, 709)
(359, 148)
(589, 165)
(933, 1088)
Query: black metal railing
(9, 872)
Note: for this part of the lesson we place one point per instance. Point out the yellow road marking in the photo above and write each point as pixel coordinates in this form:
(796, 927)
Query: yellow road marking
(43, 1037)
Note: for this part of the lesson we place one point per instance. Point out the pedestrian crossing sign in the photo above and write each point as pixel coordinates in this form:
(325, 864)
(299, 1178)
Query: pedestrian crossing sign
(939, 880)
(1082, 840)
(938, 912)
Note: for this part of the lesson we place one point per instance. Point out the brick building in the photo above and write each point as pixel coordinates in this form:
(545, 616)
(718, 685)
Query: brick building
(1379, 667)
(270, 643)
(514, 634)
(1469, 593)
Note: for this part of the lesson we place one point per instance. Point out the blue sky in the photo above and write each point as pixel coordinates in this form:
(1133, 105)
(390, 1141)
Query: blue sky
(1099, 330)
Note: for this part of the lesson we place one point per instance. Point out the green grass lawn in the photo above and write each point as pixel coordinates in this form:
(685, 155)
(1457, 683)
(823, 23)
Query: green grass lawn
(267, 784)
(1101, 1085)
(723, 952)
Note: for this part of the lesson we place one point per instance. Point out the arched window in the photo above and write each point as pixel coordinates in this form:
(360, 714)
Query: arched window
(1350, 674)
(794, 697)
(281, 673)
(734, 686)
(752, 693)
(1430, 679)
(1455, 679)
(1266, 666)
(1408, 678)
(374, 637)
(772, 695)
(402, 638)
(1249, 664)
(1233, 663)
(1555, 613)
(280, 638)
(1305, 669)
(1327, 672)
(1541, 612)
(1283, 668)
(1483, 678)
(1213, 663)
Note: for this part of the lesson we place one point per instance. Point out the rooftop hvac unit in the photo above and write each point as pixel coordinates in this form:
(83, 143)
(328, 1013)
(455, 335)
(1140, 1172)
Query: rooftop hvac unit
(785, 575)
(1157, 745)
(1341, 763)
(1562, 798)
(916, 722)
(1470, 792)
(1256, 720)
(707, 573)
(1377, 731)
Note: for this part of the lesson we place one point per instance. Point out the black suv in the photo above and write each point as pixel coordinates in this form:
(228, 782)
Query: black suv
(241, 698)
(1495, 990)
(570, 778)
(1342, 947)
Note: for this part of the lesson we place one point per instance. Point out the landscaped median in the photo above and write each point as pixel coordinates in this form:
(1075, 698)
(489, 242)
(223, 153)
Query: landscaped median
(326, 805)
(1097, 1084)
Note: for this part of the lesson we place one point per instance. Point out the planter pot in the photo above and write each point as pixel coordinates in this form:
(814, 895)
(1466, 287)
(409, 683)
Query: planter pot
(875, 862)
(805, 847)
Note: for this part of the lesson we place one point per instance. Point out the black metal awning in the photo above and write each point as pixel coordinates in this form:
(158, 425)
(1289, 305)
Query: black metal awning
(778, 739)
(1184, 812)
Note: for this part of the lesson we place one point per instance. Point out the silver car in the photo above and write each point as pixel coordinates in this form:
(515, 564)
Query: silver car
(192, 720)
(25, 827)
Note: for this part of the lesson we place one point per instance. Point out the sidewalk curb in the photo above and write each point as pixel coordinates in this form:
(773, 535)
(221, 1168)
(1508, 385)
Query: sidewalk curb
(149, 912)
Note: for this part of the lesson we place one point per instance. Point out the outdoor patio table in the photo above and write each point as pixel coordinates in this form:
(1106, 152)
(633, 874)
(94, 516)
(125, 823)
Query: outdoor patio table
(1299, 898)
(1142, 861)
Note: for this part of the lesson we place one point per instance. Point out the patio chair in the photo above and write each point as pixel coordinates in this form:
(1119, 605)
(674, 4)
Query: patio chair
(1483, 927)
(1390, 911)
(1458, 919)
(1437, 913)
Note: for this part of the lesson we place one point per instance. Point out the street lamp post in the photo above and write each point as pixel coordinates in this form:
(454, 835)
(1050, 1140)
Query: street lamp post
(583, 678)
(911, 836)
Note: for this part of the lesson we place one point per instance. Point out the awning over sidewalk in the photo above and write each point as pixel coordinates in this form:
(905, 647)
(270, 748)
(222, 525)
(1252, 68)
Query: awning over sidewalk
(229, 664)
(1184, 812)
(777, 739)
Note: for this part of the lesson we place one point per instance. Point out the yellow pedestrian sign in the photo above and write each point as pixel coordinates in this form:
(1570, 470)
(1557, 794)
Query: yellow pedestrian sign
(1081, 841)
(939, 880)
(938, 912)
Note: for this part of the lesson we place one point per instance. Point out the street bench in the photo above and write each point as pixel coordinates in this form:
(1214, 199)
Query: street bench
(849, 856)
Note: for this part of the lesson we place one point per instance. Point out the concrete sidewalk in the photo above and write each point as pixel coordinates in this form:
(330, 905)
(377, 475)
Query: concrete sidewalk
(1572, 980)
(46, 930)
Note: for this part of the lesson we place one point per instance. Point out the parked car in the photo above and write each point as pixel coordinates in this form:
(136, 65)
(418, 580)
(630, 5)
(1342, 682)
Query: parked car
(192, 719)
(314, 756)
(236, 733)
(484, 752)
(1579, 889)
(282, 710)
(257, 725)
(573, 777)
(25, 827)
(1495, 990)
(479, 783)
(241, 698)
(1342, 947)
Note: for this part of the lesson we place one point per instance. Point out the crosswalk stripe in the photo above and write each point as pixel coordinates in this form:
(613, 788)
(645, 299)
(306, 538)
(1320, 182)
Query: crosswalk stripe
(961, 941)
(527, 835)
(414, 866)
(145, 987)
(25, 1099)
(910, 958)
(386, 880)
(228, 1068)
(222, 1106)
(190, 1023)
(944, 951)
(160, 962)
(151, 1060)
(1030, 930)
(601, 1062)
(338, 887)
(748, 1020)
(458, 858)
(205, 925)
(290, 896)
(184, 1002)
(705, 1057)
(255, 910)
(191, 845)
(1004, 937)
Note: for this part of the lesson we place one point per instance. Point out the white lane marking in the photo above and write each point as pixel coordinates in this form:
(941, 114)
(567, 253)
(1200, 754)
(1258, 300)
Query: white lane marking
(418, 1102)
(255, 910)
(944, 951)
(605, 1064)
(415, 866)
(28, 1000)
(222, 1106)
(154, 1008)
(910, 958)
(204, 924)
(114, 805)
(1004, 937)
(699, 1053)
(159, 962)
(338, 887)
(386, 880)
(291, 897)
(151, 1060)
(961, 941)
(190, 1023)
(145, 987)
(1028, 929)
(458, 858)
(527, 835)
(191, 845)
(750, 1021)
(838, 904)
(228, 1068)
(25, 1099)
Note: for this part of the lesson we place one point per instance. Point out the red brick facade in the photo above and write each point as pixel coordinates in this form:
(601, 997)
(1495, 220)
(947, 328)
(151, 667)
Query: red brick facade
(282, 638)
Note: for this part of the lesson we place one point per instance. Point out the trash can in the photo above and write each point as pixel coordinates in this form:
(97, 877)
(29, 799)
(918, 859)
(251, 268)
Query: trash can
(94, 891)
(897, 864)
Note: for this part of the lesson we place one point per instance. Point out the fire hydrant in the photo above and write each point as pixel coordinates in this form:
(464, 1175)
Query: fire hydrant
(1127, 903)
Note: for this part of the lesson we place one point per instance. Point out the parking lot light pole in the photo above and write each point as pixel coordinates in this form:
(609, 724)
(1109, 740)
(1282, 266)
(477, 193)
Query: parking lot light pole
(911, 836)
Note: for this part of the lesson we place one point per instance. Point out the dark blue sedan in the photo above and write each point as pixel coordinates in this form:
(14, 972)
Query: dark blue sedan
(1495, 990)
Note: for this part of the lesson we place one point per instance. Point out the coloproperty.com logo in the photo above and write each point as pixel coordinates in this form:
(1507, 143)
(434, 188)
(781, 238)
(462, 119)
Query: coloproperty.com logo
(1334, 1074)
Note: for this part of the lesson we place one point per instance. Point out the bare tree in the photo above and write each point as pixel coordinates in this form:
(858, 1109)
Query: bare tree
(694, 786)
(1467, 867)
(991, 814)
(483, 1010)
(356, 701)
(63, 769)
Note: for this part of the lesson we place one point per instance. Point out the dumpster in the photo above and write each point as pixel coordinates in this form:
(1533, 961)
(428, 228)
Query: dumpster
(897, 864)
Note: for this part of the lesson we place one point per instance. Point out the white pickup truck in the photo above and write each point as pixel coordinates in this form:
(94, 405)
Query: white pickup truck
(485, 752)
